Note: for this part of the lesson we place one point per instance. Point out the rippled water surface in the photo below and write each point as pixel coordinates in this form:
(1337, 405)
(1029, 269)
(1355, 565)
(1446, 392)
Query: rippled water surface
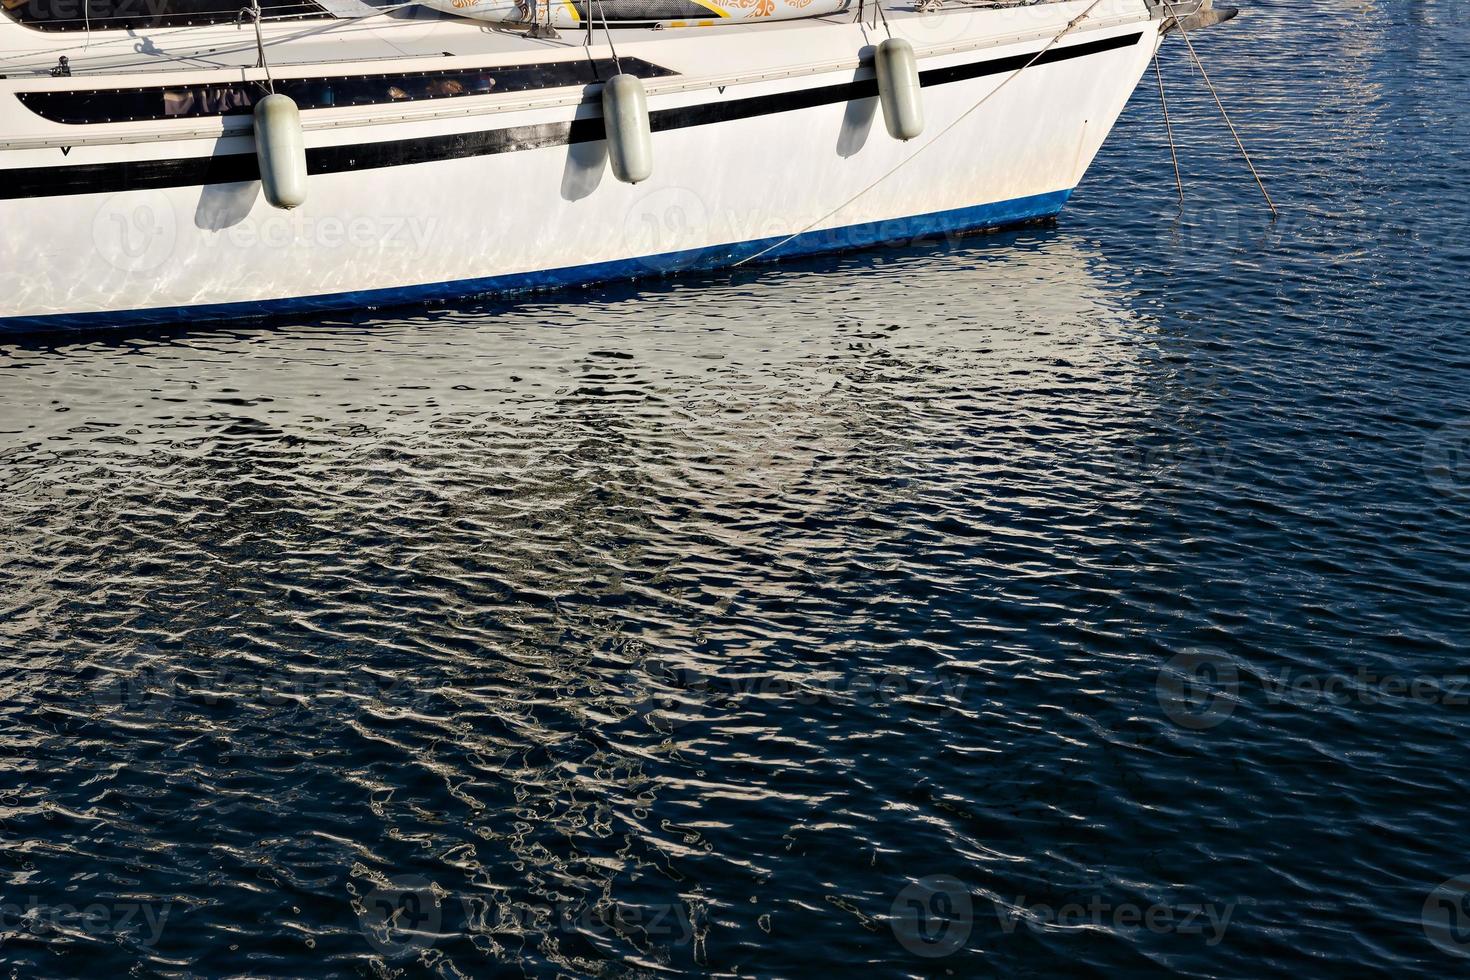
(1088, 600)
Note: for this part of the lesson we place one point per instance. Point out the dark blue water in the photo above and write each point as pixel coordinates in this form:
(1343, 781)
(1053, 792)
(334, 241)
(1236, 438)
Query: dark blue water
(1081, 601)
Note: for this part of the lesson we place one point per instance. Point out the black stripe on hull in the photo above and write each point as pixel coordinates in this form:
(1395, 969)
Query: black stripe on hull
(109, 178)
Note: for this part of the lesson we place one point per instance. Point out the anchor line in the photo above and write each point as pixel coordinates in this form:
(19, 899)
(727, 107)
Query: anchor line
(1211, 86)
(1071, 26)
(1169, 128)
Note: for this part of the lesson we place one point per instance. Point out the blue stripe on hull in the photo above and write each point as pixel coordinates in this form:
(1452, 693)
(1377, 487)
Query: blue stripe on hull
(718, 256)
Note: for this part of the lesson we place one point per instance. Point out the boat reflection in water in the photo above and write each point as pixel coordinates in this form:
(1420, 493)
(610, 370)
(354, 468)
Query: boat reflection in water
(535, 616)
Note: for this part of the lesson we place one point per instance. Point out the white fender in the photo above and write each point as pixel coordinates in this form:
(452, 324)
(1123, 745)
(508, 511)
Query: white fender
(629, 139)
(280, 147)
(898, 88)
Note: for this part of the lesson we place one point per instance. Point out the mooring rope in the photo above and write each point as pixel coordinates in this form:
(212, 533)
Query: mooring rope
(607, 31)
(1071, 26)
(1169, 128)
(262, 62)
(886, 29)
(1211, 86)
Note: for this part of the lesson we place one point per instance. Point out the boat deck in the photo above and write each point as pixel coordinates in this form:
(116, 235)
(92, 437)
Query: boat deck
(364, 33)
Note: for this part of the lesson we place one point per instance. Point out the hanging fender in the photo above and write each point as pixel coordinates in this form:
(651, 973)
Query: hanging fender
(280, 148)
(629, 138)
(898, 88)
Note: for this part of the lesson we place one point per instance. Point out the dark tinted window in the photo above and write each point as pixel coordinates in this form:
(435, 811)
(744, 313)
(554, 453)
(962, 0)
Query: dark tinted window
(75, 15)
(192, 101)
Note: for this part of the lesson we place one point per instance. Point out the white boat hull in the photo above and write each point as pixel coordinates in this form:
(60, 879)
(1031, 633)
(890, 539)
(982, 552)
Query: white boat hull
(760, 168)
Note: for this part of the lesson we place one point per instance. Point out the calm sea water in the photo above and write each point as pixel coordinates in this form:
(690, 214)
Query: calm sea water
(1082, 601)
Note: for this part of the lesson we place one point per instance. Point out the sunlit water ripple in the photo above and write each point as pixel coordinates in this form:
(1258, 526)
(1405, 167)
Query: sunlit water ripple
(847, 615)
